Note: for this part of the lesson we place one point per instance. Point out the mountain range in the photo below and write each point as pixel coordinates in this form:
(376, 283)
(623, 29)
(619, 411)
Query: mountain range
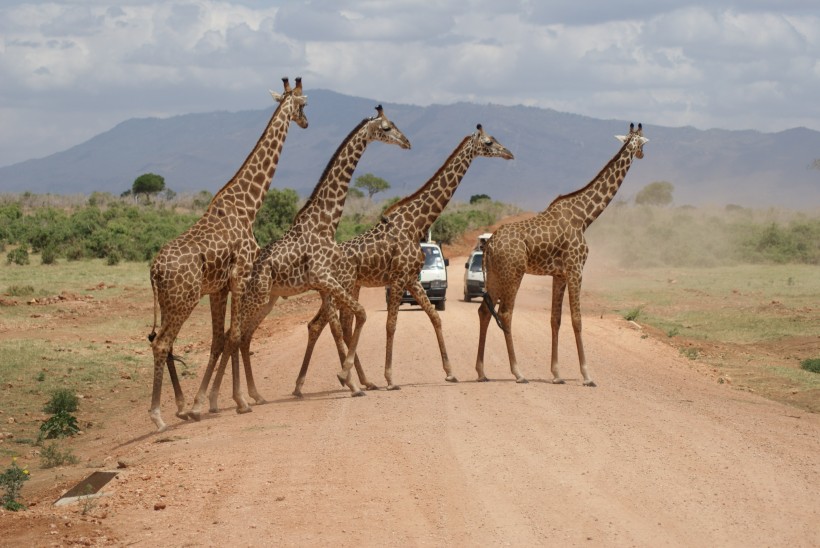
(555, 153)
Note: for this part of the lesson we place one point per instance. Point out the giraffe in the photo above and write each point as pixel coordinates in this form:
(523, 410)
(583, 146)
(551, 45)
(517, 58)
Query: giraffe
(550, 244)
(212, 257)
(303, 258)
(389, 255)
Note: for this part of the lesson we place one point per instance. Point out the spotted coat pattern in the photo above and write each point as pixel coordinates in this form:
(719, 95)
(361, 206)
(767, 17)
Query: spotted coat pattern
(215, 254)
(389, 254)
(304, 257)
(550, 244)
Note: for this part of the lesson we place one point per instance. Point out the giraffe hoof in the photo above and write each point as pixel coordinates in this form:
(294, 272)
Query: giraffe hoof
(371, 386)
(450, 378)
(394, 387)
(590, 384)
(183, 415)
(297, 393)
(358, 394)
(482, 379)
(522, 380)
(195, 415)
(243, 410)
(558, 381)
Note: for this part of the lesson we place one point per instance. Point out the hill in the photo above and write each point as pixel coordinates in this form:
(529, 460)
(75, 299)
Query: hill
(555, 153)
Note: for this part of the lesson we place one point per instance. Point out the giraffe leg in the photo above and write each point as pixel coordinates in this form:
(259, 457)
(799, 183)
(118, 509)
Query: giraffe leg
(162, 347)
(245, 347)
(505, 313)
(484, 316)
(346, 300)
(346, 322)
(574, 286)
(559, 284)
(343, 339)
(393, 304)
(178, 396)
(421, 297)
(315, 328)
(219, 303)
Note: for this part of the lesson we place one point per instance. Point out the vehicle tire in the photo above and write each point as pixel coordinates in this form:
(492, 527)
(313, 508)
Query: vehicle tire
(467, 297)
(440, 305)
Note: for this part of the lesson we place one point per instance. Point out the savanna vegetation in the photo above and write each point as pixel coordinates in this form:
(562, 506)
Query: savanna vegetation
(119, 229)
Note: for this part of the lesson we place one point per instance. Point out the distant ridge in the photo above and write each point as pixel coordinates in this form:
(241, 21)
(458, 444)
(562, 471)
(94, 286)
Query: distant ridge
(555, 153)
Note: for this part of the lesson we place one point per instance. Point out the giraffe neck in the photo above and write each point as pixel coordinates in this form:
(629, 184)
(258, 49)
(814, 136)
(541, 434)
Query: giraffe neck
(246, 189)
(323, 209)
(583, 206)
(419, 211)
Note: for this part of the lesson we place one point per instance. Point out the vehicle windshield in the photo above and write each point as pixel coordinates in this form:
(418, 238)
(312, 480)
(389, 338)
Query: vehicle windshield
(475, 264)
(432, 258)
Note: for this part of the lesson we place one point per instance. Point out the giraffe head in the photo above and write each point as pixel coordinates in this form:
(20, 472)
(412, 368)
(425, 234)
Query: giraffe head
(634, 140)
(486, 145)
(293, 101)
(379, 128)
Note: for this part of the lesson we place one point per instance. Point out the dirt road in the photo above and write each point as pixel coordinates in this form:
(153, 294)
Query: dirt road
(659, 454)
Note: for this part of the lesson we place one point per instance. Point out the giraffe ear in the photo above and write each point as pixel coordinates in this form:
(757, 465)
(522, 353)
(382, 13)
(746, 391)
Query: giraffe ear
(276, 97)
(643, 140)
(621, 138)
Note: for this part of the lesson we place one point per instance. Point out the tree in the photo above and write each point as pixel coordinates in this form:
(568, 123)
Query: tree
(658, 193)
(148, 184)
(371, 184)
(479, 198)
(276, 215)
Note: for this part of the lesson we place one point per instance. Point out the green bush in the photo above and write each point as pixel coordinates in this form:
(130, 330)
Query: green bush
(59, 425)
(11, 481)
(811, 364)
(63, 400)
(276, 215)
(48, 255)
(18, 256)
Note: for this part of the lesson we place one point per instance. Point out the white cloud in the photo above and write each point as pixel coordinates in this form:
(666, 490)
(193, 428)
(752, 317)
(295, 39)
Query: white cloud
(76, 68)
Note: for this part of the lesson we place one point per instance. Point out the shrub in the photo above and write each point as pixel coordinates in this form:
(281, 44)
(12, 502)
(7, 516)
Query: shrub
(18, 256)
(633, 314)
(63, 400)
(811, 364)
(48, 255)
(12, 482)
(51, 456)
(60, 425)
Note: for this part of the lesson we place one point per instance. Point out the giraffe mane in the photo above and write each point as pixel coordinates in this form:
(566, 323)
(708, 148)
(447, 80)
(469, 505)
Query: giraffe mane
(585, 187)
(330, 162)
(416, 194)
(248, 157)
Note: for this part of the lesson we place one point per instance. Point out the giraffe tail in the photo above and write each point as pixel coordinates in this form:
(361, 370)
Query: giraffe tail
(488, 302)
(153, 334)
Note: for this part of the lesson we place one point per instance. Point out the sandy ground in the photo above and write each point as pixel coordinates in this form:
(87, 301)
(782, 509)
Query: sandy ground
(659, 454)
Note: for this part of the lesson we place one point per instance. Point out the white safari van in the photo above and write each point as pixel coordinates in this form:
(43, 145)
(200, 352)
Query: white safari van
(473, 271)
(433, 277)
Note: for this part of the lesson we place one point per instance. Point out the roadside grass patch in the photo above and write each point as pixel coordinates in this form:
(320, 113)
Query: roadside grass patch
(755, 323)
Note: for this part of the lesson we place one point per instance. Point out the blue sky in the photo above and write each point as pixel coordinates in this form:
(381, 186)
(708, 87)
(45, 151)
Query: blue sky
(72, 69)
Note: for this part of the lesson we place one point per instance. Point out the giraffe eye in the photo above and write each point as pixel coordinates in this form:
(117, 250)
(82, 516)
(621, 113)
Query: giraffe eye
(386, 126)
